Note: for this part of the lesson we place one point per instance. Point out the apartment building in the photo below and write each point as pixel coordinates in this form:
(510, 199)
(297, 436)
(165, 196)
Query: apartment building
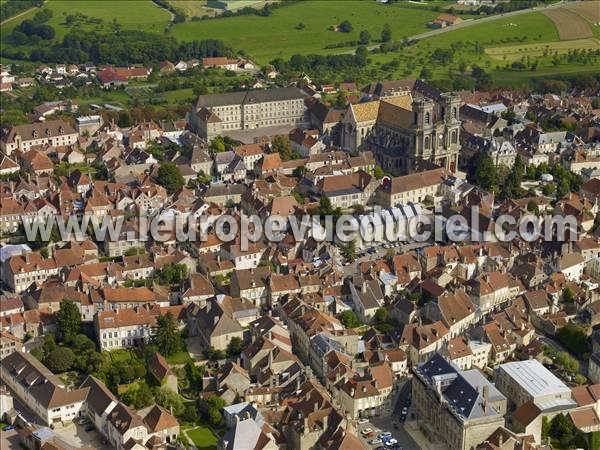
(215, 114)
(42, 391)
(24, 137)
(123, 328)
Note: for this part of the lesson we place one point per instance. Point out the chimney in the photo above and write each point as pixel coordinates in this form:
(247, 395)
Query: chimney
(486, 393)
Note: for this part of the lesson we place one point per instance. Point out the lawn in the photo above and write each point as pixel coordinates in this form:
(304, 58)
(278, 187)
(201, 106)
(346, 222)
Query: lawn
(121, 355)
(266, 38)
(181, 357)
(203, 438)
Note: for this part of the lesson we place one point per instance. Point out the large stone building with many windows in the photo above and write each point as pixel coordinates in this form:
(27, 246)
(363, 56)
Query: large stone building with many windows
(216, 114)
(406, 128)
(460, 409)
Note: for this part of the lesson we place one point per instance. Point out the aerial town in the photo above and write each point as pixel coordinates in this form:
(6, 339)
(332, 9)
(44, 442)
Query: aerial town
(478, 328)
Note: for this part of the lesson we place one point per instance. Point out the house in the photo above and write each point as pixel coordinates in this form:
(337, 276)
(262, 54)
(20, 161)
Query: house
(161, 371)
(412, 188)
(247, 433)
(123, 328)
(444, 20)
(345, 191)
(213, 324)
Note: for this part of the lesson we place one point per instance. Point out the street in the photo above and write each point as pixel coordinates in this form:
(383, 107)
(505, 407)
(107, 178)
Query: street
(386, 423)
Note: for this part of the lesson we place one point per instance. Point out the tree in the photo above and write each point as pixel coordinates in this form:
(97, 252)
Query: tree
(169, 399)
(567, 362)
(361, 56)
(138, 396)
(486, 175)
(282, 145)
(60, 359)
(574, 338)
(349, 251)
(124, 119)
(167, 338)
(378, 173)
(341, 99)
(217, 145)
(170, 177)
(386, 33)
(349, 319)
(365, 37)
(212, 406)
(172, 274)
(235, 346)
(345, 26)
(567, 295)
(68, 320)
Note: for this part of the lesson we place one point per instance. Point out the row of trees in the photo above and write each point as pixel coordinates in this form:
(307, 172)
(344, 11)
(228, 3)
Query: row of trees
(122, 47)
(11, 8)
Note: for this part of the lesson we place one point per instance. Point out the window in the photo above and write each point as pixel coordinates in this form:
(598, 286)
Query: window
(427, 118)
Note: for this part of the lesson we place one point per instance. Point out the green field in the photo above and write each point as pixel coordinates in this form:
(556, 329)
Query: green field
(266, 38)
(516, 52)
(130, 14)
(532, 27)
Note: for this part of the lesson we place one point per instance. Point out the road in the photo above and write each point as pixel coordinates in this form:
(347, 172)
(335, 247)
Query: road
(392, 422)
(471, 22)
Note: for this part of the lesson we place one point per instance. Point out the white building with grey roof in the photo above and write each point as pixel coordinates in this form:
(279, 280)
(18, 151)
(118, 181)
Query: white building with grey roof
(529, 381)
(216, 114)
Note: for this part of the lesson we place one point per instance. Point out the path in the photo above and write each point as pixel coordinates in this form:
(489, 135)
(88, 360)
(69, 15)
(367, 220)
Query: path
(22, 13)
(471, 22)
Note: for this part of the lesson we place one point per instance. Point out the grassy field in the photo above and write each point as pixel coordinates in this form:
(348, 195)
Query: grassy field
(516, 52)
(527, 28)
(266, 38)
(130, 14)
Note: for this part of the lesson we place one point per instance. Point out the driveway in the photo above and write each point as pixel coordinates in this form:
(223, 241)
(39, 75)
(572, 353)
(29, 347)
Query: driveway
(75, 435)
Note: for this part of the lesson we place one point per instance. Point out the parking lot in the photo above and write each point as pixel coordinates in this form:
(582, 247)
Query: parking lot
(392, 424)
(76, 435)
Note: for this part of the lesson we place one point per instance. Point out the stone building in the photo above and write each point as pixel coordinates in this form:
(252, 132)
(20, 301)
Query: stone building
(215, 114)
(458, 410)
(421, 124)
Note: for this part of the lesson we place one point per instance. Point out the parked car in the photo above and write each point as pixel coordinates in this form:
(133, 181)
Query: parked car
(390, 442)
(362, 421)
(375, 441)
(89, 428)
(8, 428)
(384, 434)
(366, 431)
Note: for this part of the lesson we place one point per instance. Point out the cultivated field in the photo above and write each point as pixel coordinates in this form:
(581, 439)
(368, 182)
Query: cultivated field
(279, 35)
(191, 8)
(569, 24)
(516, 52)
(590, 11)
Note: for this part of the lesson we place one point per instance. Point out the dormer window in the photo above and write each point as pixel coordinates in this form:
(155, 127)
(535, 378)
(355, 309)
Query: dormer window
(47, 131)
(61, 130)
(34, 133)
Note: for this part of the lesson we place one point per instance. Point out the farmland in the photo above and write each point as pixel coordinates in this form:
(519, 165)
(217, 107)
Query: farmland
(279, 35)
(569, 24)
